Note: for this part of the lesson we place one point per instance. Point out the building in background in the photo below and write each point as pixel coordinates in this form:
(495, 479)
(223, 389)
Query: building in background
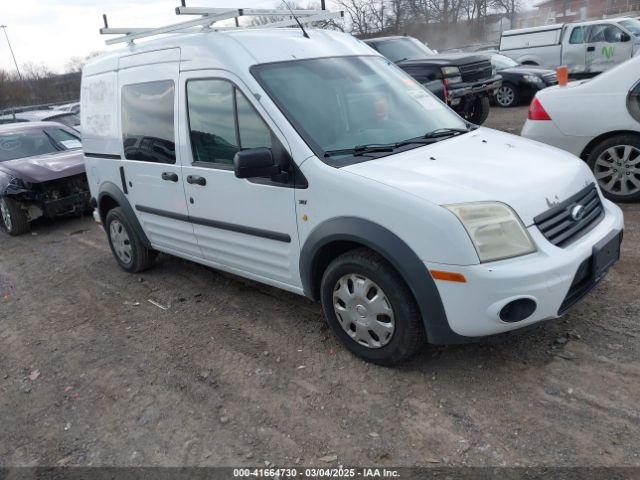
(565, 11)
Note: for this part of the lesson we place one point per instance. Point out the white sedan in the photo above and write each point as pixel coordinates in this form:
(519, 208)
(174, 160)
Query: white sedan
(597, 120)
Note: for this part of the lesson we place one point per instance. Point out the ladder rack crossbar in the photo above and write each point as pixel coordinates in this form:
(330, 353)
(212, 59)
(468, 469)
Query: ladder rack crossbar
(209, 16)
(203, 21)
(326, 15)
(246, 12)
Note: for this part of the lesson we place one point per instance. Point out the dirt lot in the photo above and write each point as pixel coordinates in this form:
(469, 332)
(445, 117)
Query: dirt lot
(235, 373)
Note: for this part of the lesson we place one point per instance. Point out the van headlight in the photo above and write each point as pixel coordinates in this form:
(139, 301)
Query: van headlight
(495, 230)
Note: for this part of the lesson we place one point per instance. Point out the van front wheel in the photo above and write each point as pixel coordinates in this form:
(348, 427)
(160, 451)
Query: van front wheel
(370, 309)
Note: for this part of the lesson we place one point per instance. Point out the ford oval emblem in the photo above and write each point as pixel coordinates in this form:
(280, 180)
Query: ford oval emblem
(577, 212)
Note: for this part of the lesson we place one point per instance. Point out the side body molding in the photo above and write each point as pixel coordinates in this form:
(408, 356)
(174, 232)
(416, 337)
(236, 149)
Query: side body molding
(109, 189)
(411, 268)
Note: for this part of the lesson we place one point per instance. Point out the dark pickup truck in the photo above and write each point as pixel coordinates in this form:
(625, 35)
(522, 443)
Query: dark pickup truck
(466, 82)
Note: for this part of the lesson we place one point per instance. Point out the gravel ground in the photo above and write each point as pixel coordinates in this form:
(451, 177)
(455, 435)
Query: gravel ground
(236, 373)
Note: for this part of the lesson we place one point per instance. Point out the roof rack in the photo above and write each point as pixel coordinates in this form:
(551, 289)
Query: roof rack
(209, 16)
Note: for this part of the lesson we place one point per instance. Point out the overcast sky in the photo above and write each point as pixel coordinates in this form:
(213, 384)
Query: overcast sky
(53, 31)
(50, 32)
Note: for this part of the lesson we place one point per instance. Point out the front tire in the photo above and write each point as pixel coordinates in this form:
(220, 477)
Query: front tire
(615, 162)
(127, 248)
(479, 110)
(507, 95)
(370, 308)
(14, 218)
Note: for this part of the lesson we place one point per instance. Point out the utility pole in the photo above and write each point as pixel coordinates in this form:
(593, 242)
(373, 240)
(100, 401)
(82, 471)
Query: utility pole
(4, 27)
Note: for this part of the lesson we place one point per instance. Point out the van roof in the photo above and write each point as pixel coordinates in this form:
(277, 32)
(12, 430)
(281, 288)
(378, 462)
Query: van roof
(242, 48)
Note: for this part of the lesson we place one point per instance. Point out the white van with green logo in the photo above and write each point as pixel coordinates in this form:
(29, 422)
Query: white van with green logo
(585, 47)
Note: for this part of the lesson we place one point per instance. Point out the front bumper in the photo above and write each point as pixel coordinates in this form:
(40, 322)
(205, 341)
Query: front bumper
(473, 308)
(76, 203)
(459, 90)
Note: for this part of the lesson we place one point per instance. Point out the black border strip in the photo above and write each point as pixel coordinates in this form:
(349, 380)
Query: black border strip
(256, 232)
(123, 180)
(103, 155)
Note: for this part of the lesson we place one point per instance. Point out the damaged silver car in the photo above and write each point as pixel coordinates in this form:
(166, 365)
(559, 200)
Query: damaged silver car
(42, 174)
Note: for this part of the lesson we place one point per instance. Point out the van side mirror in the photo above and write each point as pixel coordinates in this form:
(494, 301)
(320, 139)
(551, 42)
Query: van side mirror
(255, 162)
(625, 37)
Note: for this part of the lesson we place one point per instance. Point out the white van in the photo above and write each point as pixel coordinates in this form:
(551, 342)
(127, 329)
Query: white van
(315, 165)
(585, 48)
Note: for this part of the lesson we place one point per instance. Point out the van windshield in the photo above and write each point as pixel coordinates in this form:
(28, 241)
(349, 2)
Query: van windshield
(343, 102)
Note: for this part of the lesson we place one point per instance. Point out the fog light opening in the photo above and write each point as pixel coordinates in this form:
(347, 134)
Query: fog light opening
(518, 310)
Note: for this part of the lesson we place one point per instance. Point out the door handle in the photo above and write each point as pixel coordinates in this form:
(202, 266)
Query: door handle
(196, 180)
(591, 49)
(170, 176)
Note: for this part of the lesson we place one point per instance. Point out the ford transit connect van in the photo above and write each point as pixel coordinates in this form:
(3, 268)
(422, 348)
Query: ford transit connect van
(315, 165)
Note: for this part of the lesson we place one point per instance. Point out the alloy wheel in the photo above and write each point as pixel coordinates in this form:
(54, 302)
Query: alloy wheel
(505, 96)
(363, 310)
(120, 241)
(617, 170)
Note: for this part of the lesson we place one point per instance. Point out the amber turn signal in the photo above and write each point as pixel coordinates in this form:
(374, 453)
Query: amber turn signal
(448, 276)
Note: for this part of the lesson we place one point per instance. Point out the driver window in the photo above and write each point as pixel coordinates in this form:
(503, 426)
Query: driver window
(596, 33)
(222, 121)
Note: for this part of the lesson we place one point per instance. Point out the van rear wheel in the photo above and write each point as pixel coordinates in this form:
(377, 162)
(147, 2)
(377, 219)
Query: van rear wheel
(370, 308)
(127, 248)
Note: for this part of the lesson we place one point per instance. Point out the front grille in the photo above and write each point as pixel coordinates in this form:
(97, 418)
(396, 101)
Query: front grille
(472, 72)
(550, 78)
(566, 222)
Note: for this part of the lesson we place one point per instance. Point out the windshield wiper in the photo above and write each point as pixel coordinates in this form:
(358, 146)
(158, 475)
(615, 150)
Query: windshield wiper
(359, 150)
(426, 139)
(447, 132)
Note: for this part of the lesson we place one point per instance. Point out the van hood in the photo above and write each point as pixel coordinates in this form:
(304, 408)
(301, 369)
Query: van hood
(45, 168)
(483, 165)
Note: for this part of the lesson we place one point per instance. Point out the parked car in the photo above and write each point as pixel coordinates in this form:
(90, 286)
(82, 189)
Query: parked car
(599, 121)
(66, 118)
(519, 82)
(315, 165)
(73, 107)
(586, 48)
(464, 81)
(41, 174)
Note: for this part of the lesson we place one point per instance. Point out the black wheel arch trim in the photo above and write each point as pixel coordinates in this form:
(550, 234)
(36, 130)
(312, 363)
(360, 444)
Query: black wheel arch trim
(393, 249)
(109, 189)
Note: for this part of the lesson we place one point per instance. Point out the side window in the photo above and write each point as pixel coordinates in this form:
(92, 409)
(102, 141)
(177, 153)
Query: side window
(147, 122)
(613, 34)
(222, 121)
(576, 36)
(211, 121)
(254, 132)
(596, 33)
